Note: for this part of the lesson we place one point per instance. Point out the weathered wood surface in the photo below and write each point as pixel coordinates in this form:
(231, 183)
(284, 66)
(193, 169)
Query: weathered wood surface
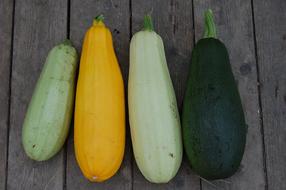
(257, 53)
(178, 42)
(116, 15)
(235, 28)
(38, 26)
(6, 22)
(270, 29)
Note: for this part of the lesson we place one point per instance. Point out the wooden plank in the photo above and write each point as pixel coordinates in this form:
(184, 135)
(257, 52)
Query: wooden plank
(270, 29)
(6, 21)
(168, 17)
(39, 25)
(116, 15)
(234, 25)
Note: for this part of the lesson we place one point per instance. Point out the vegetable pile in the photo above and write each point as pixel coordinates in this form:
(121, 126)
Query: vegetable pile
(213, 123)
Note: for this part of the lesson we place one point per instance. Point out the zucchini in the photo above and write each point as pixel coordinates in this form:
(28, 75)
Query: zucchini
(99, 120)
(214, 128)
(49, 113)
(153, 113)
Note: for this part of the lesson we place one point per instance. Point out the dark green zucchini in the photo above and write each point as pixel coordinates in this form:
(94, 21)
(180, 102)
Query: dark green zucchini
(214, 128)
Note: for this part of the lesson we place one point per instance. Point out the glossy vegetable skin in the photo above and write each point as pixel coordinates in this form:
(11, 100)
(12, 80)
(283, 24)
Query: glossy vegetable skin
(48, 117)
(214, 128)
(153, 113)
(99, 133)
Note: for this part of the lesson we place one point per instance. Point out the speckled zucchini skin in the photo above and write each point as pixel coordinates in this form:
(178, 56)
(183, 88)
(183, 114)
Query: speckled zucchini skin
(49, 113)
(214, 129)
(153, 113)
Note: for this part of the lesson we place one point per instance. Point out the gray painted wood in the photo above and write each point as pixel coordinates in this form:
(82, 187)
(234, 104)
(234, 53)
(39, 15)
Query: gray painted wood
(116, 15)
(6, 16)
(39, 25)
(168, 17)
(234, 25)
(270, 29)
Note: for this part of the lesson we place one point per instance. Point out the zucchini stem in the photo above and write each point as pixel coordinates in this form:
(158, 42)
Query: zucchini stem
(148, 25)
(98, 19)
(67, 42)
(210, 29)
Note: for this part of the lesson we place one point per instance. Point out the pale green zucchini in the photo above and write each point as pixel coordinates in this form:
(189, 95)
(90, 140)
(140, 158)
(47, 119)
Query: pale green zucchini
(48, 117)
(153, 113)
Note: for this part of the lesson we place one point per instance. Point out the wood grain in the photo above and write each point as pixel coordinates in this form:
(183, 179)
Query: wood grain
(116, 15)
(234, 26)
(270, 29)
(38, 26)
(168, 17)
(6, 22)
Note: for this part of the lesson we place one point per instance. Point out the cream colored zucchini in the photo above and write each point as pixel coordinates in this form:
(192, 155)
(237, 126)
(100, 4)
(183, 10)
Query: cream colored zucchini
(153, 114)
(49, 113)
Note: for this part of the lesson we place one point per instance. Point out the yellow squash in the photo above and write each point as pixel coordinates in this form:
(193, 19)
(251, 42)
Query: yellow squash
(99, 133)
